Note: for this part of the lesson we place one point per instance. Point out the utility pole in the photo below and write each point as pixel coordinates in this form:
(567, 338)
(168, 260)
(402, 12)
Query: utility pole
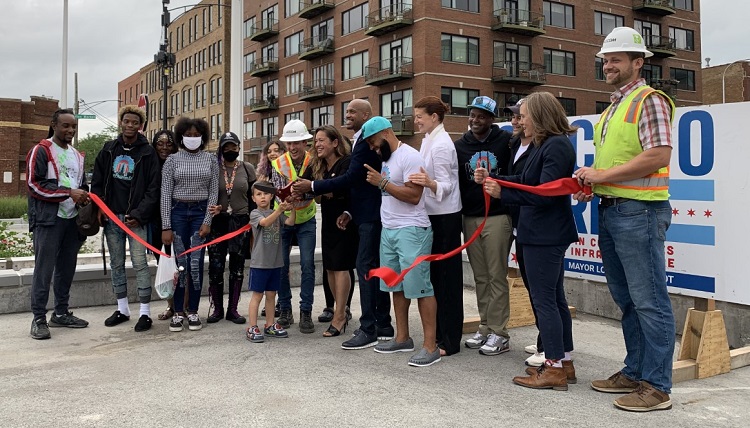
(165, 60)
(75, 83)
(64, 90)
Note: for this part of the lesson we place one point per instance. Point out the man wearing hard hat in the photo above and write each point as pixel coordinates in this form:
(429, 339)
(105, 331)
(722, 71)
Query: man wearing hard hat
(630, 175)
(286, 169)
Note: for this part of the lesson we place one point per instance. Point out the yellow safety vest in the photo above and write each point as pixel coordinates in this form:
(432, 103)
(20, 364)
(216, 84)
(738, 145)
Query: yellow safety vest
(623, 144)
(284, 166)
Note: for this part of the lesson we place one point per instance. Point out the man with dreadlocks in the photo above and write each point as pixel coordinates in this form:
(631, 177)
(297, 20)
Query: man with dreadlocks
(126, 177)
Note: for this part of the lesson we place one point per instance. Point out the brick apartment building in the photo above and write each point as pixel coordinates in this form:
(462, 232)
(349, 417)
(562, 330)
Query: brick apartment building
(22, 124)
(736, 83)
(307, 59)
(198, 85)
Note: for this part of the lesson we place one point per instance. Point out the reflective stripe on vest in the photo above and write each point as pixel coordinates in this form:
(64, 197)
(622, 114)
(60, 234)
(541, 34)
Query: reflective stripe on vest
(284, 166)
(622, 143)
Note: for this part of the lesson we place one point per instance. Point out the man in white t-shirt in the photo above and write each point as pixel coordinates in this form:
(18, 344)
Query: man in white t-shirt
(406, 235)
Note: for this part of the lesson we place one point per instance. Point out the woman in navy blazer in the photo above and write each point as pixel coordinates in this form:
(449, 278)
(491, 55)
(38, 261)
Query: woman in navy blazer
(545, 229)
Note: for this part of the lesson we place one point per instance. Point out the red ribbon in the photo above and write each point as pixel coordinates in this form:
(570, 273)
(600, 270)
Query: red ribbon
(113, 217)
(563, 186)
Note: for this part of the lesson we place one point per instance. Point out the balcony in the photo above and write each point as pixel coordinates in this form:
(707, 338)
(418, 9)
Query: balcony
(518, 72)
(660, 46)
(316, 90)
(264, 66)
(665, 85)
(654, 7)
(315, 47)
(269, 103)
(255, 145)
(388, 19)
(312, 8)
(402, 125)
(389, 70)
(265, 30)
(517, 21)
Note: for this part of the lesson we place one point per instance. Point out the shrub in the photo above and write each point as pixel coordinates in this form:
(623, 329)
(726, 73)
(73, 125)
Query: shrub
(13, 206)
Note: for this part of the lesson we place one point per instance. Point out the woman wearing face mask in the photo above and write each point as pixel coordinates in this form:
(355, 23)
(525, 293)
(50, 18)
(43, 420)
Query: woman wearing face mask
(231, 213)
(190, 184)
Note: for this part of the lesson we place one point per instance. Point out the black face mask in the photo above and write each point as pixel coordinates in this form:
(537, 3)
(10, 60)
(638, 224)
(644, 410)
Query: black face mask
(231, 156)
(385, 150)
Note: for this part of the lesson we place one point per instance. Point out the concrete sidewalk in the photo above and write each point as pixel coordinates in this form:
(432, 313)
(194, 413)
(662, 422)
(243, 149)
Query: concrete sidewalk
(114, 377)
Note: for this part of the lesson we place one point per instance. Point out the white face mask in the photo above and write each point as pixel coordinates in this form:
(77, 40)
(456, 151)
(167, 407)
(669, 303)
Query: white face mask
(192, 143)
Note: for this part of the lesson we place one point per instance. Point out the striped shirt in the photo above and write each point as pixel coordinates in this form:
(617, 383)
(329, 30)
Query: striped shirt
(654, 126)
(188, 177)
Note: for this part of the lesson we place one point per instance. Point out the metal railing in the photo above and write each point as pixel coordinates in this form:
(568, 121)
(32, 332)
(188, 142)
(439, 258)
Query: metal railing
(402, 66)
(659, 42)
(519, 70)
(270, 102)
(268, 25)
(519, 17)
(265, 63)
(392, 13)
(323, 43)
(402, 124)
(316, 87)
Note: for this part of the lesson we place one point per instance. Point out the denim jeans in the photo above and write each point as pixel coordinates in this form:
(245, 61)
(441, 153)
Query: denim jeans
(116, 242)
(631, 238)
(55, 256)
(305, 233)
(187, 218)
(375, 304)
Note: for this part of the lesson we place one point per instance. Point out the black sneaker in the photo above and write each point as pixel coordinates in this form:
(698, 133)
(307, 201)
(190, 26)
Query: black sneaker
(194, 322)
(144, 323)
(305, 322)
(286, 318)
(326, 316)
(67, 320)
(361, 340)
(116, 318)
(40, 329)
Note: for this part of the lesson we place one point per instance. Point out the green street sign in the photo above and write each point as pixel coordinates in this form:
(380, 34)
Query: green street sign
(85, 116)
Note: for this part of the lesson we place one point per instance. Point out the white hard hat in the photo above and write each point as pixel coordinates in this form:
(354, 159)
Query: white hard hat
(624, 39)
(295, 130)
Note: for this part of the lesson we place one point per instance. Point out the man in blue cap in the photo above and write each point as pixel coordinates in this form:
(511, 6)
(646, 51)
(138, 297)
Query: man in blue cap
(488, 146)
(406, 235)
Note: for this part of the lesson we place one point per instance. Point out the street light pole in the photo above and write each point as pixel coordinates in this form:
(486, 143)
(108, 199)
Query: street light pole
(165, 60)
(723, 81)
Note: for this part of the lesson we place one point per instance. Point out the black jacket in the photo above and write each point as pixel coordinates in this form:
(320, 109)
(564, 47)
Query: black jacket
(143, 199)
(494, 154)
(544, 220)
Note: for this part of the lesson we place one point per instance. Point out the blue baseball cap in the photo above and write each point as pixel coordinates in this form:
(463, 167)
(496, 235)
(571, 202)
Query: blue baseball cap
(484, 103)
(374, 125)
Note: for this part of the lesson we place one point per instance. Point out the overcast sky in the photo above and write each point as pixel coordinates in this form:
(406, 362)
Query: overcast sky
(111, 39)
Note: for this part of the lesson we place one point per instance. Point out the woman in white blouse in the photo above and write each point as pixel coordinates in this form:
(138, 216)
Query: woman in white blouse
(443, 204)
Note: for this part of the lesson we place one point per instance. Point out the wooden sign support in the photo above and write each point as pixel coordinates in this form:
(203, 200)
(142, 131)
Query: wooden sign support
(704, 351)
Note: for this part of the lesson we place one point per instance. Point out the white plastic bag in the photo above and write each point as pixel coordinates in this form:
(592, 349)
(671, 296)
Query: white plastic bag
(166, 272)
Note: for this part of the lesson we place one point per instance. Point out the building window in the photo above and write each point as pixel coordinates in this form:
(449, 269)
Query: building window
(190, 30)
(507, 99)
(396, 103)
(268, 17)
(187, 100)
(322, 116)
(295, 115)
(219, 52)
(460, 49)
(269, 90)
(647, 29)
(247, 29)
(294, 82)
(354, 65)
(559, 62)
(686, 78)
(513, 57)
(220, 12)
(204, 22)
(354, 19)
(601, 106)
(322, 31)
(599, 69)
(651, 73)
(322, 75)
(249, 61)
(569, 104)
(210, 18)
(269, 52)
(212, 90)
(249, 96)
(249, 130)
(683, 4)
(213, 127)
(558, 15)
(291, 43)
(604, 23)
(458, 99)
(219, 90)
(291, 7)
(467, 5)
(683, 39)
(269, 127)
(394, 54)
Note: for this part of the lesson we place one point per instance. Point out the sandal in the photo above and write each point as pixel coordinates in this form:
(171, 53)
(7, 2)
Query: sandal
(333, 331)
(166, 315)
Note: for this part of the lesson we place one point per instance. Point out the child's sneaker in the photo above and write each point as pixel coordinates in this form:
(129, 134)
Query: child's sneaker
(254, 335)
(276, 330)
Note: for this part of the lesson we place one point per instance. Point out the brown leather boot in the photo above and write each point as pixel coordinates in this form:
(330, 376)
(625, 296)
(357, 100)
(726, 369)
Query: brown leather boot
(543, 378)
(570, 371)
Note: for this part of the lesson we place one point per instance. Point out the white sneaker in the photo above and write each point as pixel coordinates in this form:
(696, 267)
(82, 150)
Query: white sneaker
(536, 360)
(495, 345)
(531, 349)
(476, 341)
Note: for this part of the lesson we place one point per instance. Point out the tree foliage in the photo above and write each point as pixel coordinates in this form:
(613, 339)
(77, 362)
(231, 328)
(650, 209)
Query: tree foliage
(91, 144)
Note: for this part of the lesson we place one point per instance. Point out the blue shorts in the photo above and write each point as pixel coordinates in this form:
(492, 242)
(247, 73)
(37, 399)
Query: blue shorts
(398, 249)
(262, 280)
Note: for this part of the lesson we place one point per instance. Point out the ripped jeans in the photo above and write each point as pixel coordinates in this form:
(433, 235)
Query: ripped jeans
(187, 218)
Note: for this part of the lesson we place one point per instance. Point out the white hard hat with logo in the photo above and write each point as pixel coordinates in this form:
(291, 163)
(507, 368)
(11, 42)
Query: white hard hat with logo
(295, 130)
(624, 39)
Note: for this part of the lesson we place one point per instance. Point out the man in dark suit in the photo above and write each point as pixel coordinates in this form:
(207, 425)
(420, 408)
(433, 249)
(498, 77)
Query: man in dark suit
(375, 321)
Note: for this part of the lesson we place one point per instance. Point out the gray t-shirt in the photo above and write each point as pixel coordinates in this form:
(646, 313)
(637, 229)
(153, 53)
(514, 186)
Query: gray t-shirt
(266, 252)
(240, 186)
